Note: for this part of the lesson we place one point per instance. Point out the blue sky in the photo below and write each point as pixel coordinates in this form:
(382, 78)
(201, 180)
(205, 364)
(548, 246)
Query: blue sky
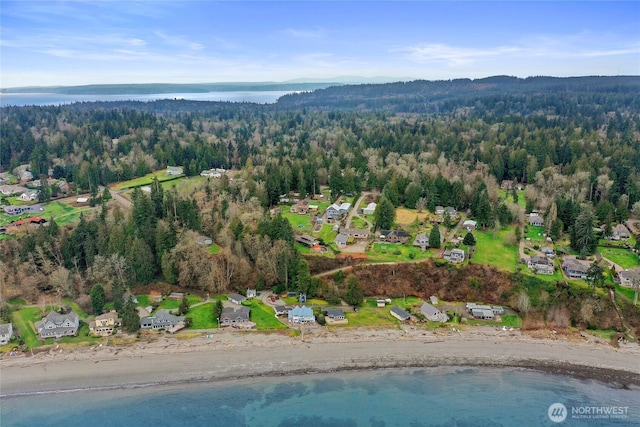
(45, 43)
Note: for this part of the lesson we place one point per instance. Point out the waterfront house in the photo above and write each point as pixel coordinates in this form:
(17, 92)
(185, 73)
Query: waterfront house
(400, 314)
(302, 314)
(105, 324)
(575, 269)
(433, 314)
(336, 316)
(231, 316)
(481, 312)
(281, 310)
(56, 325)
(163, 319)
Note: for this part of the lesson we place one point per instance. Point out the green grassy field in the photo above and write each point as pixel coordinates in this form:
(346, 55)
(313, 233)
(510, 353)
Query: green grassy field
(535, 234)
(170, 304)
(623, 257)
(311, 302)
(626, 292)
(263, 316)
(384, 252)
(144, 180)
(327, 235)
(202, 316)
(214, 249)
(81, 337)
(359, 223)
(23, 321)
(184, 185)
(300, 223)
(369, 316)
(506, 195)
(493, 250)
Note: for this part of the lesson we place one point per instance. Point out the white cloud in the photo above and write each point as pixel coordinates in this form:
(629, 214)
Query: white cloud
(298, 33)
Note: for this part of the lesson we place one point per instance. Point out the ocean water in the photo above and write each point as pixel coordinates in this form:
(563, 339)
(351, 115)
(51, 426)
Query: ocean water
(21, 99)
(396, 397)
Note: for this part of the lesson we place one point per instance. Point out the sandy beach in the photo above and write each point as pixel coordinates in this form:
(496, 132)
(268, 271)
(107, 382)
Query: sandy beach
(232, 354)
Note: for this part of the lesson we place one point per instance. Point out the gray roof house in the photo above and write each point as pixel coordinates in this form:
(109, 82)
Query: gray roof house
(231, 315)
(454, 255)
(541, 265)
(6, 332)
(341, 240)
(56, 325)
(421, 241)
(483, 313)
(575, 269)
(281, 310)
(433, 314)
(620, 232)
(626, 277)
(400, 314)
(336, 314)
(536, 220)
(174, 170)
(236, 298)
(161, 320)
(333, 211)
(370, 209)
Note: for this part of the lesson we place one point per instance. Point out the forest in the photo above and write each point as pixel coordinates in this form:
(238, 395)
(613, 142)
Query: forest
(573, 144)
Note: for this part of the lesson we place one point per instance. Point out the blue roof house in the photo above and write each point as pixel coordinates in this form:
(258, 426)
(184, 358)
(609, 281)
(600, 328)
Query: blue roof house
(302, 314)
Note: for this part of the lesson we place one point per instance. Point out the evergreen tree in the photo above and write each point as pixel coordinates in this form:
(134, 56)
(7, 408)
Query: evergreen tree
(217, 310)
(184, 306)
(583, 238)
(143, 263)
(130, 317)
(44, 193)
(434, 237)
(354, 294)
(384, 215)
(469, 240)
(98, 298)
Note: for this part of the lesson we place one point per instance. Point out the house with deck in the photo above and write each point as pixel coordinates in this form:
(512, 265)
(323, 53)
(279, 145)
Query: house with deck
(454, 255)
(394, 236)
(541, 265)
(301, 315)
(56, 325)
(163, 319)
(231, 316)
(306, 240)
(575, 269)
(627, 277)
(433, 314)
(336, 316)
(105, 324)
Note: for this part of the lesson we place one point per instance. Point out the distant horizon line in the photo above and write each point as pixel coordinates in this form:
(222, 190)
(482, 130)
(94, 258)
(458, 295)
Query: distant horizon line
(300, 81)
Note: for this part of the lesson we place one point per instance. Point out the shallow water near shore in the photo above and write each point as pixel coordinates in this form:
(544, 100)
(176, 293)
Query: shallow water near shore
(462, 396)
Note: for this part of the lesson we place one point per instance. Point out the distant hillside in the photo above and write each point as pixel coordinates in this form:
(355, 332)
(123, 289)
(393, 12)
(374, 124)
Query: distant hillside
(422, 96)
(155, 88)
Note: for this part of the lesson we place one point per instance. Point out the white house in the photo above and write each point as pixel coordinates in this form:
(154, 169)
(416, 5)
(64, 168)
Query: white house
(627, 277)
(469, 225)
(302, 314)
(174, 170)
(454, 255)
(370, 209)
(58, 325)
(29, 196)
(433, 314)
(236, 298)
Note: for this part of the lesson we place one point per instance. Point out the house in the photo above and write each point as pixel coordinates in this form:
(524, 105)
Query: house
(536, 220)
(421, 241)
(18, 210)
(230, 316)
(357, 233)
(307, 240)
(56, 325)
(439, 210)
(281, 310)
(105, 324)
(155, 296)
(497, 309)
(370, 209)
(433, 314)
(451, 211)
(302, 314)
(433, 299)
(627, 277)
(548, 251)
(575, 269)
(301, 207)
(251, 293)
(336, 315)
(344, 208)
(203, 241)
(176, 296)
(394, 236)
(483, 313)
(400, 314)
(506, 184)
(29, 196)
(163, 319)
(341, 240)
(174, 170)
(470, 225)
(6, 332)
(454, 255)
(540, 265)
(236, 298)
(620, 232)
(333, 212)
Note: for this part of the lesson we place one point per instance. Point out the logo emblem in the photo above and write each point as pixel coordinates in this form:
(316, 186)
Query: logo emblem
(557, 412)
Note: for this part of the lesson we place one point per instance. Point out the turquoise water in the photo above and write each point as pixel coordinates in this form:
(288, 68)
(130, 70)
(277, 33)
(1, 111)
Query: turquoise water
(398, 397)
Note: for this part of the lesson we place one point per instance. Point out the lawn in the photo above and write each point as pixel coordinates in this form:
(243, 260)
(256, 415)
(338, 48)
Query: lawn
(506, 195)
(183, 185)
(144, 180)
(369, 316)
(511, 320)
(171, 304)
(385, 252)
(623, 257)
(300, 223)
(202, 316)
(534, 233)
(23, 320)
(491, 249)
(83, 336)
(311, 302)
(626, 292)
(214, 249)
(327, 235)
(263, 316)
(359, 223)
(408, 216)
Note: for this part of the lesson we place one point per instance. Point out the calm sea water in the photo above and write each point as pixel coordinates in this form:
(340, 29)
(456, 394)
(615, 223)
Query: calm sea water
(21, 99)
(398, 397)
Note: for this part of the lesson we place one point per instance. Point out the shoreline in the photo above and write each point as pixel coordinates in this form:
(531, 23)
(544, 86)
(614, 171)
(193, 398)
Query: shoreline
(232, 355)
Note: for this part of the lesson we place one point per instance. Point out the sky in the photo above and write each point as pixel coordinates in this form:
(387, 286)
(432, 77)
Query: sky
(49, 43)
